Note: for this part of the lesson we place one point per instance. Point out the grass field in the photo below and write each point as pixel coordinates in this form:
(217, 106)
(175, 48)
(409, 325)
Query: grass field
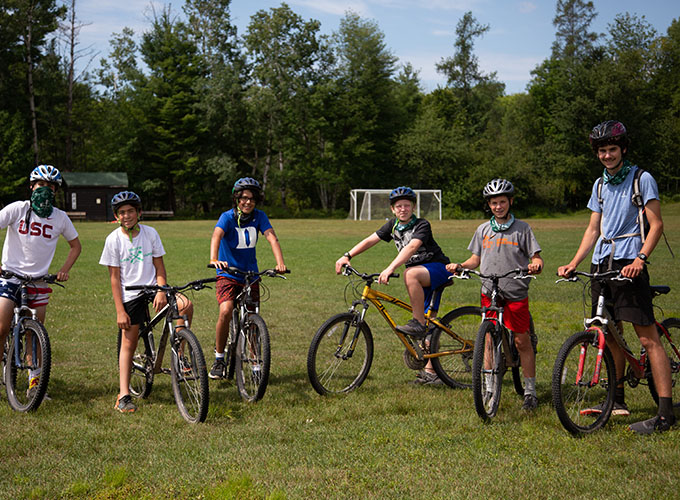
(388, 439)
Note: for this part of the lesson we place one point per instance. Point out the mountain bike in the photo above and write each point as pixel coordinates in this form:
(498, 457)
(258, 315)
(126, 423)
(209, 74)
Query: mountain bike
(495, 349)
(27, 354)
(341, 352)
(584, 374)
(187, 363)
(248, 352)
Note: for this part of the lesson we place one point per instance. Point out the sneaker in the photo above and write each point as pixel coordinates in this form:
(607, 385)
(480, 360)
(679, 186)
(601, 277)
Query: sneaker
(427, 378)
(649, 426)
(413, 328)
(218, 370)
(124, 404)
(619, 410)
(530, 402)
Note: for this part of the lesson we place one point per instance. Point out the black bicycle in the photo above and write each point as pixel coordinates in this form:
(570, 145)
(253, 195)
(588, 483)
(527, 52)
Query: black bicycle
(495, 349)
(187, 364)
(248, 351)
(27, 354)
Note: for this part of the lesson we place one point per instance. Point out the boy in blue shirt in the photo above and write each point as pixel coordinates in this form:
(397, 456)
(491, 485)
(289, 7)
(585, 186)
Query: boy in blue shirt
(233, 245)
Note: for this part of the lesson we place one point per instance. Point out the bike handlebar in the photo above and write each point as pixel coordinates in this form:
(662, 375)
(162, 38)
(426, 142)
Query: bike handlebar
(272, 273)
(612, 275)
(47, 278)
(347, 270)
(196, 285)
(521, 273)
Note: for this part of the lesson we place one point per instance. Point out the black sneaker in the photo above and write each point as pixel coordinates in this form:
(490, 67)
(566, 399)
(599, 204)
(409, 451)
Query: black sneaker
(530, 402)
(651, 425)
(218, 370)
(413, 328)
(427, 378)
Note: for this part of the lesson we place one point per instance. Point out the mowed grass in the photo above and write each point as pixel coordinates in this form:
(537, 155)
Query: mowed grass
(387, 439)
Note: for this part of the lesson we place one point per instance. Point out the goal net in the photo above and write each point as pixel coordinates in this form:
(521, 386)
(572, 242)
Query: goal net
(374, 204)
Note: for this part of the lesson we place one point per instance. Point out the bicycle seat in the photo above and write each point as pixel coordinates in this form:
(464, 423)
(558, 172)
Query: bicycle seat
(660, 289)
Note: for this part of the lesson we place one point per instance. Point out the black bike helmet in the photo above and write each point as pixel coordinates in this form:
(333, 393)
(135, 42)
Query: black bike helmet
(402, 193)
(251, 185)
(498, 187)
(125, 198)
(609, 132)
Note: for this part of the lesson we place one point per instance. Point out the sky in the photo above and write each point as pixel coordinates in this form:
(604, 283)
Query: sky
(420, 32)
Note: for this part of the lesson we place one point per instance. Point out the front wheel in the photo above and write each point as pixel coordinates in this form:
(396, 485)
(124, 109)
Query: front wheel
(671, 344)
(253, 359)
(27, 366)
(455, 370)
(189, 377)
(340, 354)
(488, 367)
(583, 403)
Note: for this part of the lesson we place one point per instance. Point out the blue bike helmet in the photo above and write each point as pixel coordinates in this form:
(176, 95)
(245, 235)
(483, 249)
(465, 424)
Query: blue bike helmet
(251, 185)
(125, 198)
(402, 193)
(46, 173)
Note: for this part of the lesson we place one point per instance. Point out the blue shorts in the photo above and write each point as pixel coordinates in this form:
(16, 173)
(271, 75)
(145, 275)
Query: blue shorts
(438, 276)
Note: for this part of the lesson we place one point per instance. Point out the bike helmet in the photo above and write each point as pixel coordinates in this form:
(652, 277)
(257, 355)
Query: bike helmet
(46, 173)
(250, 184)
(125, 198)
(609, 132)
(498, 187)
(402, 193)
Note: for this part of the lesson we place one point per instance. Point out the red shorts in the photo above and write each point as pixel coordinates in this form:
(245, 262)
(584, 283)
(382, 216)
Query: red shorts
(228, 289)
(515, 314)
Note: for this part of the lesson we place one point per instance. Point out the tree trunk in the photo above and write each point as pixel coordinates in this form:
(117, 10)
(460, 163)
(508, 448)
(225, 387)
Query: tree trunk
(28, 39)
(69, 102)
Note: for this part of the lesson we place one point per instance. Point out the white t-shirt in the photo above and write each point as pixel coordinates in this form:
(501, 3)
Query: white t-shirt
(30, 250)
(135, 258)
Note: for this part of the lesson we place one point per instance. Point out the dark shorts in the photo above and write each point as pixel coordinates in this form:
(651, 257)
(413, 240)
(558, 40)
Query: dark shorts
(138, 308)
(228, 289)
(626, 301)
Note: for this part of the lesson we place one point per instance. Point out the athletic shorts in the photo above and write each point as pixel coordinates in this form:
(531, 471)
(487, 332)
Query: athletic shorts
(228, 289)
(515, 313)
(626, 301)
(38, 293)
(438, 276)
(138, 308)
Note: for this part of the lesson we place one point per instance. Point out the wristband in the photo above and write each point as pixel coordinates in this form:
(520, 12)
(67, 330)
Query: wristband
(642, 257)
(347, 254)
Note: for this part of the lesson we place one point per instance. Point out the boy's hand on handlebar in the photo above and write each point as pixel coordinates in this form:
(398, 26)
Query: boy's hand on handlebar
(454, 268)
(219, 264)
(340, 263)
(384, 278)
(566, 271)
(281, 268)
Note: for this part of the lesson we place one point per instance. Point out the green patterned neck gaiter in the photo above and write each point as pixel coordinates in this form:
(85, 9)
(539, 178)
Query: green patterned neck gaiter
(619, 177)
(42, 201)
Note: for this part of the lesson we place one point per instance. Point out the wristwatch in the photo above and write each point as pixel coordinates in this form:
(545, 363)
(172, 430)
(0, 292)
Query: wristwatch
(349, 257)
(642, 257)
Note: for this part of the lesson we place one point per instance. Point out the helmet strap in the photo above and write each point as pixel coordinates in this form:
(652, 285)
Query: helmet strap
(130, 230)
(243, 217)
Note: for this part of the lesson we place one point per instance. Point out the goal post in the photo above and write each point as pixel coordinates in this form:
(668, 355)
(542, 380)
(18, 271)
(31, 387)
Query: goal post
(374, 204)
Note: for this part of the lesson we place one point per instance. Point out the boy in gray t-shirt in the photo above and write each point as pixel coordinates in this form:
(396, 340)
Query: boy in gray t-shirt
(502, 244)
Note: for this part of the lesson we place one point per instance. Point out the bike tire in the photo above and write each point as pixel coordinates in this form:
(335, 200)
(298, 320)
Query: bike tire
(672, 348)
(571, 397)
(141, 371)
(488, 367)
(253, 357)
(189, 376)
(456, 370)
(229, 358)
(20, 395)
(328, 372)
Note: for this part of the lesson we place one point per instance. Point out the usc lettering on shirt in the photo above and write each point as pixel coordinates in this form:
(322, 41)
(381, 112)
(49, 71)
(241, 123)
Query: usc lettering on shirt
(36, 229)
(490, 242)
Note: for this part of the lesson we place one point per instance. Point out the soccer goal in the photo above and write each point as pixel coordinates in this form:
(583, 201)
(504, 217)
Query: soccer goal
(374, 204)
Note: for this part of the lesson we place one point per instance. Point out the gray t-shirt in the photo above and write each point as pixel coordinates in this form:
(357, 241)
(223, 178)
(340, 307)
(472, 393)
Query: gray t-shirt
(501, 252)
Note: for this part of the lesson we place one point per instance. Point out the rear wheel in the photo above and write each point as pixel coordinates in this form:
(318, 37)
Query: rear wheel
(487, 371)
(26, 382)
(671, 344)
(141, 371)
(253, 359)
(333, 364)
(189, 377)
(455, 370)
(574, 394)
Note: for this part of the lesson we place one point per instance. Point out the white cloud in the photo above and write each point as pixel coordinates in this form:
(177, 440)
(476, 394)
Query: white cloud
(526, 7)
(334, 7)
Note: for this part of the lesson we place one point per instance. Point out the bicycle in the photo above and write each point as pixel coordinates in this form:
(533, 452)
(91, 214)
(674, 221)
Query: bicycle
(584, 374)
(27, 349)
(341, 351)
(187, 364)
(248, 351)
(495, 349)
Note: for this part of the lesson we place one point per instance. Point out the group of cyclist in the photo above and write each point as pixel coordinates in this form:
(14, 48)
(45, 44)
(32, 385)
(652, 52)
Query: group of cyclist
(133, 253)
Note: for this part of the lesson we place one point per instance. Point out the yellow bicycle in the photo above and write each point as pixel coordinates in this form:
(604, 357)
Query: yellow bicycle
(341, 351)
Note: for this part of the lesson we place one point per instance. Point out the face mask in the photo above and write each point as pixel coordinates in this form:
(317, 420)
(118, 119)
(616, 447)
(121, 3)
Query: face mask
(42, 201)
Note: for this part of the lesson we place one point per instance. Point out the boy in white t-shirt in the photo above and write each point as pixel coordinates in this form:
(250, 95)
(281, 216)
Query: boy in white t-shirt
(33, 230)
(134, 256)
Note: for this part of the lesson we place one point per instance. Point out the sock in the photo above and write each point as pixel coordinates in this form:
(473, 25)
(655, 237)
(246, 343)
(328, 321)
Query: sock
(489, 382)
(619, 396)
(666, 409)
(530, 386)
(34, 373)
(219, 355)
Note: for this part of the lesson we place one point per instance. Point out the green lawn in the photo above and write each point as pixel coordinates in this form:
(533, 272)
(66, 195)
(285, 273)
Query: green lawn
(388, 439)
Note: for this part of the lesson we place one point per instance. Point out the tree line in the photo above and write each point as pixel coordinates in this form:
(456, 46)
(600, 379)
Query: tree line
(190, 104)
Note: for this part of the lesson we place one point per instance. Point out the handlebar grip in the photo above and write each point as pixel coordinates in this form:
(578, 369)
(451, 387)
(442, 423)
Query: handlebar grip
(137, 287)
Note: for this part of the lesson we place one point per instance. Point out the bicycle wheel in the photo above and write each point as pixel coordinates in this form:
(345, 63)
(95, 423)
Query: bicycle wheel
(671, 345)
(33, 353)
(141, 371)
(488, 368)
(572, 388)
(229, 358)
(252, 359)
(331, 367)
(189, 376)
(455, 370)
